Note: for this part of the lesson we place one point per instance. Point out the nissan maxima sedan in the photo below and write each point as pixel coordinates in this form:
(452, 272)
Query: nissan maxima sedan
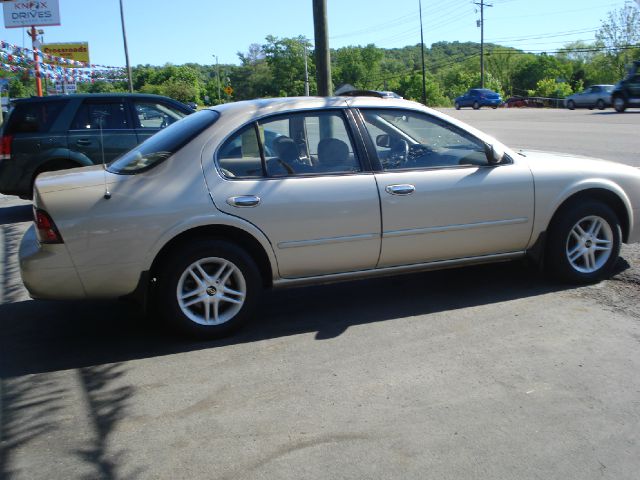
(201, 218)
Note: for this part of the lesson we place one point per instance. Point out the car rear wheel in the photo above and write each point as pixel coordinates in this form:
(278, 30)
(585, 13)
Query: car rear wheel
(584, 243)
(600, 104)
(571, 105)
(208, 288)
(476, 105)
(619, 104)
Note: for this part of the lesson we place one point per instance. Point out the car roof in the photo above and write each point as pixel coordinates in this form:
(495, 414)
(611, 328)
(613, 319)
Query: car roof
(49, 98)
(241, 113)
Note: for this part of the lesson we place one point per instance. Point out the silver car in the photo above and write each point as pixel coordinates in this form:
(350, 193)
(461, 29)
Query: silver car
(201, 218)
(596, 96)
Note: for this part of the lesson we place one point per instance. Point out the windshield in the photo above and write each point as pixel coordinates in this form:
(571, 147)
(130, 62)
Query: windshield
(163, 144)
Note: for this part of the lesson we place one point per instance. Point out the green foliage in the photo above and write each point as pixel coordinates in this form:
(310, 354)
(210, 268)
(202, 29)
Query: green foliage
(619, 32)
(285, 57)
(548, 87)
(277, 68)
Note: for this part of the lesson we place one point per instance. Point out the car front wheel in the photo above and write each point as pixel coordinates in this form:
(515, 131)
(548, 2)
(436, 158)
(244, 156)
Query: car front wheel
(457, 105)
(476, 105)
(208, 288)
(571, 105)
(619, 104)
(584, 243)
(600, 104)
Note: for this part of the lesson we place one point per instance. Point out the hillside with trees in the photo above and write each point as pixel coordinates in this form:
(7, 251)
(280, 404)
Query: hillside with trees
(277, 68)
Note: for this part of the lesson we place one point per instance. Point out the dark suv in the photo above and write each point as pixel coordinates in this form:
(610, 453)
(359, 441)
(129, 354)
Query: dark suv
(627, 92)
(44, 134)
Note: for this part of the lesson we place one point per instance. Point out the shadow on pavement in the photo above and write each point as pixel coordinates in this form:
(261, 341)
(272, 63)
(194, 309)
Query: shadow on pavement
(16, 214)
(43, 336)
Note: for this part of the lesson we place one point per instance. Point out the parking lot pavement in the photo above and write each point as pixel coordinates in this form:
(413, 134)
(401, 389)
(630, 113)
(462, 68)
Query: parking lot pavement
(594, 133)
(490, 372)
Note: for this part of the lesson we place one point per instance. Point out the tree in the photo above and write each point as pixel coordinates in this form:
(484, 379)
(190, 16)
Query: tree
(285, 56)
(620, 35)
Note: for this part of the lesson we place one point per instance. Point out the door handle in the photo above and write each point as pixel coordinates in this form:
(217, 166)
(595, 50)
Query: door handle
(83, 142)
(244, 201)
(404, 189)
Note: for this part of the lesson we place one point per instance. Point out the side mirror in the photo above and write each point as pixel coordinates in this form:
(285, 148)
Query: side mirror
(383, 140)
(494, 154)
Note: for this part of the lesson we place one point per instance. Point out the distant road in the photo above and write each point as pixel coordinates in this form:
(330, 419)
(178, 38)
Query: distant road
(603, 134)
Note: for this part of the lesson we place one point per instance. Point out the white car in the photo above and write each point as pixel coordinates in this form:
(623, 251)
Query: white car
(247, 196)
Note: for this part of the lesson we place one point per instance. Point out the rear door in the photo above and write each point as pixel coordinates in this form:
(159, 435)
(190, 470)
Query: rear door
(300, 179)
(101, 130)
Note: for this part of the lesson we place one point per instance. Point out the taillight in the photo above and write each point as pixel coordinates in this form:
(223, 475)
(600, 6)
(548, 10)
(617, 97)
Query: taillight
(5, 147)
(46, 228)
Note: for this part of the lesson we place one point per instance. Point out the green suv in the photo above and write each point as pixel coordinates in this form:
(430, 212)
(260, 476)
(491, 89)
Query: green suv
(44, 134)
(627, 92)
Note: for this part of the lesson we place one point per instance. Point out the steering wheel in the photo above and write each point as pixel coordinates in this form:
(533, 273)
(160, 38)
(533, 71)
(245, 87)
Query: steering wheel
(399, 152)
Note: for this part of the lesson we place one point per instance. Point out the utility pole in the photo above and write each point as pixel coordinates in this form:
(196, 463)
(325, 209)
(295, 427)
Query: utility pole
(126, 49)
(424, 79)
(482, 5)
(306, 72)
(36, 47)
(218, 77)
(323, 58)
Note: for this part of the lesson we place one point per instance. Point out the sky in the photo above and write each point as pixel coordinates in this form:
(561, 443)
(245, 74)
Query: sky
(196, 31)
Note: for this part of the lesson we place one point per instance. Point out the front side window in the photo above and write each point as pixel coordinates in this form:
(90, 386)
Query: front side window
(101, 115)
(408, 140)
(309, 143)
(156, 115)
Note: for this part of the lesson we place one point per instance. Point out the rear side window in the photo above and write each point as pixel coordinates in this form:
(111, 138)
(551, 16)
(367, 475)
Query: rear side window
(163, 144)
(106, 115)
(33, 117)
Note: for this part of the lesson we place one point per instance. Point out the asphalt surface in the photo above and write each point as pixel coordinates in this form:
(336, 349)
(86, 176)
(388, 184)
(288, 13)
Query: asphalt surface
(489, 372)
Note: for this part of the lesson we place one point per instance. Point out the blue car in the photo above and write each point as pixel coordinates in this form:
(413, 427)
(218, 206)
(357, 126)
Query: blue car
(478, 97)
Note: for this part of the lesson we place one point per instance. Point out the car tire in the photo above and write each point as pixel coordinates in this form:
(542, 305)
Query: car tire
(619, 104)
(571, 105)
(457, 106)
(476, 106)
(208, 288)
(600, 104)
(583, 243)
(494, 107)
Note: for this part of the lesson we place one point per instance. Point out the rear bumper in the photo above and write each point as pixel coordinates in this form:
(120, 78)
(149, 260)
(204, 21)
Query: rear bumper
(47, 270)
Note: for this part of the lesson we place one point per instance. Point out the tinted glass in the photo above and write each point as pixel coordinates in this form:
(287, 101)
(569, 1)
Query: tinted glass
(33, 117)
(163, 144)
(106, 115)
(415, 140)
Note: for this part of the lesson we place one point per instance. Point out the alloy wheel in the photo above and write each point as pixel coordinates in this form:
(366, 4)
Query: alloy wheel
(589, 244)
(211, 291)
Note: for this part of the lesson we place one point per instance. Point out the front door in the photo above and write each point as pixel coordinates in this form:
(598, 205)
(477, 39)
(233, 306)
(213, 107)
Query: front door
(440, 197)
(299, 179)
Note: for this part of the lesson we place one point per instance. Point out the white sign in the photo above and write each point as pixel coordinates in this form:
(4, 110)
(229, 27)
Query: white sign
(65, 88)
(22, 13)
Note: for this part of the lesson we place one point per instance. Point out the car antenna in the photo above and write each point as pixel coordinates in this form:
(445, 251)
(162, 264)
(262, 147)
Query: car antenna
(100, 117)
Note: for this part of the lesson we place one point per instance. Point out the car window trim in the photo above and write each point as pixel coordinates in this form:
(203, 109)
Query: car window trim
(263, 158)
